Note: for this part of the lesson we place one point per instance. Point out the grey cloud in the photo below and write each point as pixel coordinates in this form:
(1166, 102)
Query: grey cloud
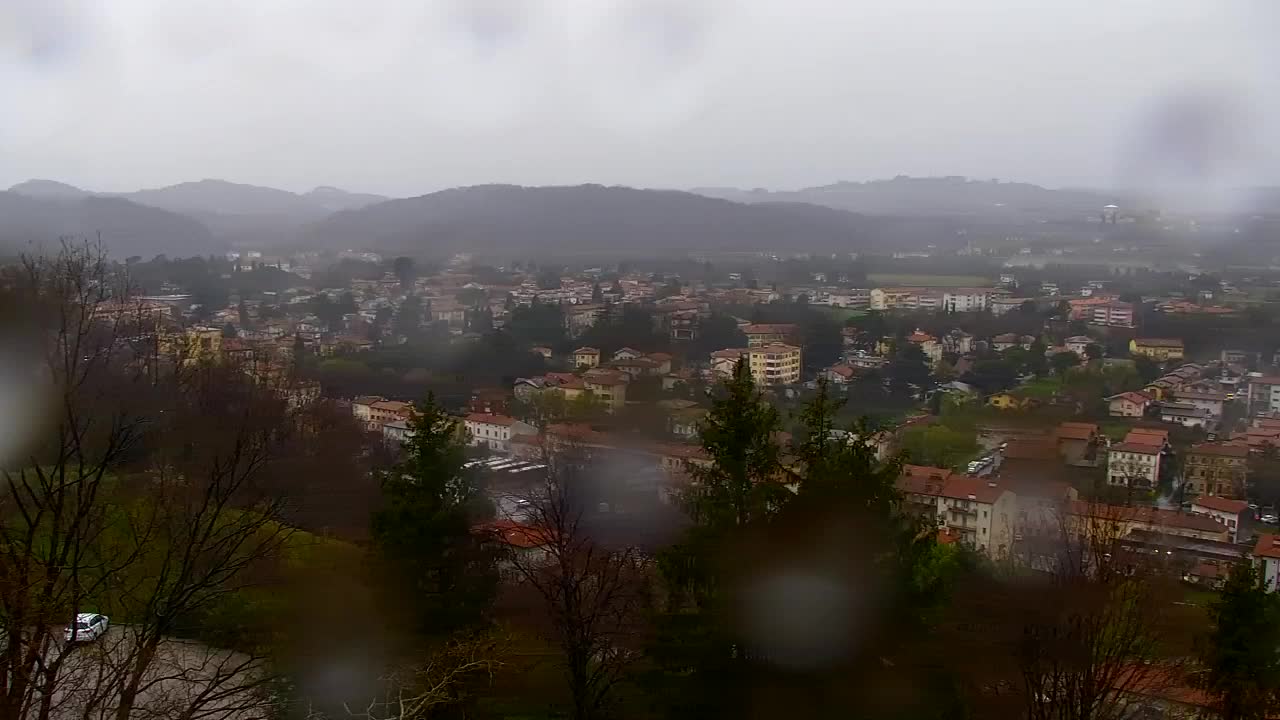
(405, 97)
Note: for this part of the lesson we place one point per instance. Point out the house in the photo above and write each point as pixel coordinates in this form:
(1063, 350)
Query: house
(394, 433)
(607, 386)
(385, 411)
(662, 361)
(1211, 402)
(1228, 512)
(724, 361)
(636, 366)
(1078, 344)
(760, 334)
(1266, 557)
(362, 409)
(1263, 392)
(627, 353)
(586, 357)
(1005, 341)
(1009, 401)
(976, 511)
(1117, 521)
(1128, 404)
(1133, 464)
(840, 374)
(1183, 414)
(1078, 442)
(542, 350)
(928, 345)
(1158, 349)
(1003, 305)
(1216, 470)
(526, 389)
(494, 431)
(958, 342)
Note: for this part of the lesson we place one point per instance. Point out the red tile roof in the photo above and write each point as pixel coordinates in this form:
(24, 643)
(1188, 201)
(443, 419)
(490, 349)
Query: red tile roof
(1158, 342)
(963, 487)
(770, 329)
(1076, 431)
(1140, 448)
(1268, 546)
(1227, 449)
(1213, 502)
(1157, 517)
(491, 419)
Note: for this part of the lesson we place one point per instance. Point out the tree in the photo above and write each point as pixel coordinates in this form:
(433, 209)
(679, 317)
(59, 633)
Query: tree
(1148, 369)
(1241, 654)
(229, 331)
(739, 485)
(408, 319)
(597, 295)
(1063, 361)
(594, 593)
(1094, 351)
(425, 531)
(242, 311)
(907, 370)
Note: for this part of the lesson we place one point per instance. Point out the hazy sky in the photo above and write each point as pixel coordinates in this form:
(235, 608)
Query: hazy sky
(408, 96)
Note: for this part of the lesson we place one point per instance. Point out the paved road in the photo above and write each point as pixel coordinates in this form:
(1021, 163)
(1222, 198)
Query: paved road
(186, 679)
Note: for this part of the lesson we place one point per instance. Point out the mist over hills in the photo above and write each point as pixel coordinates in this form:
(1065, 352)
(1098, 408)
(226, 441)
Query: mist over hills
(935, 196)
(490, 217)
(126, 228)
(213, 215)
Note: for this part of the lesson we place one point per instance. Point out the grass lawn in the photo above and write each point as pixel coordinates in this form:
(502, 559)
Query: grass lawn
(841, 315)
(1042, 388)
(910, 280)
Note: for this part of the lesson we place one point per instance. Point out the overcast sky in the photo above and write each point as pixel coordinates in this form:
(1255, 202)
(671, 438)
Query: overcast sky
(405, 97)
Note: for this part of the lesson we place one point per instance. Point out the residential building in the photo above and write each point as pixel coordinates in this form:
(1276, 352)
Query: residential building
(724, 361)
(1078, 443)
(586, 357)
(1183, 414)
(362, 409)
(1211, 402)
(1132, 464)
(494, 431)
(1158, 349)
(385, 411)
(1117, 522)
(1216, 469)
(926, 298)
(840, 374)
(1128, 404)
(1082, 308)
(1003, 305)
(928, 344)
(394, 433)
(855, 299)
(1112, 314)
(1263, 392)
(775, 364)
(967, 299)
(975, 511)
(759, 334)
(1228, 512)
(607, 386)
(627, 353)
(1266, 557)
(1078, 344)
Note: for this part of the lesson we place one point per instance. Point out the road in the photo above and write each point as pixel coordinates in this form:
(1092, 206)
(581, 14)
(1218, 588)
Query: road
(187, 679)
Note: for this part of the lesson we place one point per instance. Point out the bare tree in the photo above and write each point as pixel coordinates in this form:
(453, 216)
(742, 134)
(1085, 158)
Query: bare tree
(593, 593)
(145, 494)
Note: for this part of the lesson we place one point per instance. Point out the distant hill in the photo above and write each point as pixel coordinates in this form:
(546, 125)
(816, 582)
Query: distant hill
(235, 213)
(936, 196)
(48, 189)
(335, 199)
(127, 228)
(489, 217)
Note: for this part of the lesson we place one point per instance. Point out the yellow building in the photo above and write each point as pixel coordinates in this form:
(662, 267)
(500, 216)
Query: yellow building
(607, 386)
(774, 364)
(197, 344)
(586, 357)
(1009, 401)
(1158, 349)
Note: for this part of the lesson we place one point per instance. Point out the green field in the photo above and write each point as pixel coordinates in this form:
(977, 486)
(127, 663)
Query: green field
(911, 280)
(840, 315)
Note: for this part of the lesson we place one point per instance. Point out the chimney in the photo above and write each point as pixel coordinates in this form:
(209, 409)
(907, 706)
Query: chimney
(973, 497)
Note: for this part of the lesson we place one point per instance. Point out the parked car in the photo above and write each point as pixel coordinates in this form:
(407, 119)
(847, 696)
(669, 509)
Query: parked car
(1270, 519)
(87, 628)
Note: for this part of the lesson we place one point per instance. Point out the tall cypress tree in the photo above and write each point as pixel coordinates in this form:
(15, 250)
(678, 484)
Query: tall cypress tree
(425, 531)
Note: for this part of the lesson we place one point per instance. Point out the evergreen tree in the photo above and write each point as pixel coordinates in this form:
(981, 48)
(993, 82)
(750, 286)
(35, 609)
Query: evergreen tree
(425, 531)
(740, 485)
(597, 294)
(1241, 655)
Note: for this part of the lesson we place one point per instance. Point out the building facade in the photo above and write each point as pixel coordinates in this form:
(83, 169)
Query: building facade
(1216, 469)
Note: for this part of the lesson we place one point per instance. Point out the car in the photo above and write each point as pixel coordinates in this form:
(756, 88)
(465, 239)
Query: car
(87, 627)
(1270, 519)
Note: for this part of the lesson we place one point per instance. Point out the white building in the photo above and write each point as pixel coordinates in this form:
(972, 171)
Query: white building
(1135, 464)
(1266, 557)
(1078, 344)
(1228, 512)
(966, 299)
(495, 431)
(976, 511)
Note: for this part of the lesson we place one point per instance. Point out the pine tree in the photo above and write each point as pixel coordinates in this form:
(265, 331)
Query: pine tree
(1241, 655)
(741, 482)
(425, 531)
